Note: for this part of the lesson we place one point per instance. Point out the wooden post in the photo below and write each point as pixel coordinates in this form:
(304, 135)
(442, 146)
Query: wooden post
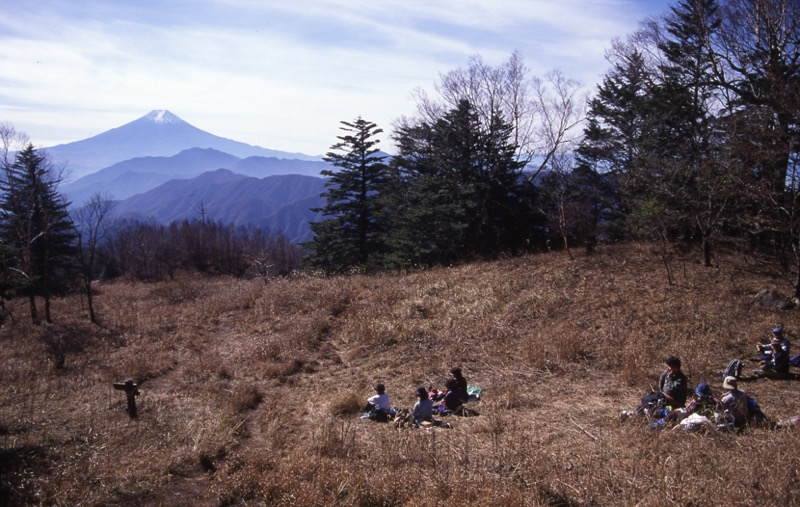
(131, 392)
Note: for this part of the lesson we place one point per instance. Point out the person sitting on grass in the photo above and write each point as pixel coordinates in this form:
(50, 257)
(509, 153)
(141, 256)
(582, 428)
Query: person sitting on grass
(673, 383)
(454, 397)
(423, 408)
(777, 363)
(703, 403)
(461, 382)
(765, 350)
(378, 408)
(737, 404)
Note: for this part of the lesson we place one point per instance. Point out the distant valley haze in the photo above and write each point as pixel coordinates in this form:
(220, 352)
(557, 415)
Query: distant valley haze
(162, 168)
(159, 133)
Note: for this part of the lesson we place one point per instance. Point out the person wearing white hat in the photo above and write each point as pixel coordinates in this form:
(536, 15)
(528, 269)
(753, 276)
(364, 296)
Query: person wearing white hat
(776, 365)
(735, 402)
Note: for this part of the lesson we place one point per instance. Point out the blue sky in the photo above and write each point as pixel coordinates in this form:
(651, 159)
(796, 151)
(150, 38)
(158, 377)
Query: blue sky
(281, 74)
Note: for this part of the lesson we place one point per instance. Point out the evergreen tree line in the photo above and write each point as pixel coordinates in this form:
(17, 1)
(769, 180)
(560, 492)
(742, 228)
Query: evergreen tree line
(691, 139)
(454, 191)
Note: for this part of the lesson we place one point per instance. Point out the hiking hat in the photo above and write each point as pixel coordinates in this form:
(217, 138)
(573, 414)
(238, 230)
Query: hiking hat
(702, 390)
(777, 330)
(421, 392)
(380, 388)
(673, 361)
(456, 372)
(729, 383)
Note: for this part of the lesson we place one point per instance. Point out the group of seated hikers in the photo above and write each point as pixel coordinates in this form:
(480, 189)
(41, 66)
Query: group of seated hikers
(773, 357)
(430, 401)
(670, 405)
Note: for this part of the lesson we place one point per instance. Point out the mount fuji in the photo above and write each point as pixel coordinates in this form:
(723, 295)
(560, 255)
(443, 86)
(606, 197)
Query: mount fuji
(161, 168)
(156, 134)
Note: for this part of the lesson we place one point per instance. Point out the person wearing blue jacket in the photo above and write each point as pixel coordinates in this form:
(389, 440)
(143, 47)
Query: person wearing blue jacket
(423, 408)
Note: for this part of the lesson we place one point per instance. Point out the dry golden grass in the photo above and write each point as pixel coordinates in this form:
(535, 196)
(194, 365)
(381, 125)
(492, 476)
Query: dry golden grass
(250, 394)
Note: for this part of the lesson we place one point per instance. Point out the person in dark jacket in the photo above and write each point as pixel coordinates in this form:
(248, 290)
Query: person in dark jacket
(461, 382)
(673, 383)
(777, 363)
(703, 403)
(454, 397)
(765, 349)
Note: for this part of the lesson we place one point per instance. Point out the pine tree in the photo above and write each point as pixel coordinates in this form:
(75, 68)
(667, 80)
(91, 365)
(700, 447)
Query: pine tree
(35, 222)
(457, 190)
(618, 117)
(697, 182)
(351, 233)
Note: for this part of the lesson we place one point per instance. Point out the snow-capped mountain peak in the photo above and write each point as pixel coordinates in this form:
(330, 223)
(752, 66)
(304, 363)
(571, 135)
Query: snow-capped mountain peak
(159, 133)
(162, 116)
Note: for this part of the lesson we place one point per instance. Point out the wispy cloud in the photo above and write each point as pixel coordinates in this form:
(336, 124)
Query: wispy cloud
(275, 73)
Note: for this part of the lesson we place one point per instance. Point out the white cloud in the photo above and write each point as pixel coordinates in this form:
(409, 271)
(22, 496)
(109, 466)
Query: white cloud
(275, 73)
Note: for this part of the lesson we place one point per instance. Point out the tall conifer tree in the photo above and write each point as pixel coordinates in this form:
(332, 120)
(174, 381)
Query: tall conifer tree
(351, 233)
(457, 190)
(35, 222)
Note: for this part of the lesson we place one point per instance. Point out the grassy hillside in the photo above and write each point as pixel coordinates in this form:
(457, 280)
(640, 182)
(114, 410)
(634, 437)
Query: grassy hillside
(250, 393)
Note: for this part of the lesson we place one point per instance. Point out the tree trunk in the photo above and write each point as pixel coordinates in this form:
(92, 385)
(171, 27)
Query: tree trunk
(47, 308)
(90, 301)
(34, 311)
(706, 251)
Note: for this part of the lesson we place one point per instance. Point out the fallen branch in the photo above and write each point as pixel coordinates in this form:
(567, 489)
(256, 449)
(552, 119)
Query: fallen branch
(583, 429)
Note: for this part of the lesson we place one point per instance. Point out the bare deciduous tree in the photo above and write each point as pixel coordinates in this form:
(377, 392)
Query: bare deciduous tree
(545, 112)
(12, 140)
(93, 223)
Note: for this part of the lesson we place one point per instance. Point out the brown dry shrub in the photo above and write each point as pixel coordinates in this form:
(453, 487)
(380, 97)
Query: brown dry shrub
(61, 340)
(345, 404)
(178, 291)
(245, 397)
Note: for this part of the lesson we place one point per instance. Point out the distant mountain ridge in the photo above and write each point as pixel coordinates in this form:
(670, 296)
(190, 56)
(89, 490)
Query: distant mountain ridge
(158, 133)
(130, 177)
(161, 168)
(278, 204)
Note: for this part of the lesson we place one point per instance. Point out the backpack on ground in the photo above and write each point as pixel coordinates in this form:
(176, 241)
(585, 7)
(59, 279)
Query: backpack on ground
(653, 405)
(734, 369)
(376, 414)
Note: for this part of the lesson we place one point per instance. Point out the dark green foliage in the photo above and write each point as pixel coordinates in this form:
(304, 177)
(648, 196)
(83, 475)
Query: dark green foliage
(688, 97)
(456, 191)
(618, 125)
(697, 121)
(352, 231)
(35, 223)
